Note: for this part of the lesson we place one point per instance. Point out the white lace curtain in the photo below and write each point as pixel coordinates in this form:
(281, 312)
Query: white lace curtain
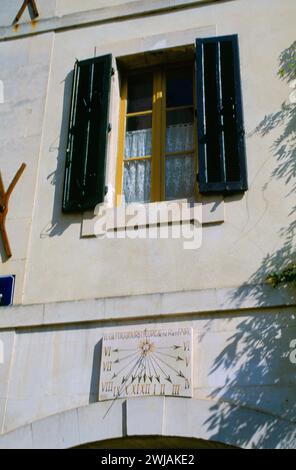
(179, 178)
(179, 138)
(138, 143)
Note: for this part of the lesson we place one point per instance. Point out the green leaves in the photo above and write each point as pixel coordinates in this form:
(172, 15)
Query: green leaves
(286, 275)
(287, 63)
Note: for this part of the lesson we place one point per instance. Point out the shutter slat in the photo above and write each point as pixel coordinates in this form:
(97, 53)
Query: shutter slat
(221, 128)
(229, 113)
(87, 138)
(212, 117)
(221, 147)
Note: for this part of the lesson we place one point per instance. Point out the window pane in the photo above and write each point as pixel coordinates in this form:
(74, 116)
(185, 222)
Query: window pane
(179, 116)
(135, 123)
(138, 138)
(179, 87)
(136, 181)
(139, 94)
(180, 131)
(179, 177)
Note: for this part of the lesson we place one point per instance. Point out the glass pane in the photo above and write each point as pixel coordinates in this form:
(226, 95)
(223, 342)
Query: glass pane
(138, 137)
(179, 177)
(136, 181)
(179, 87)
(179, 116)
(135, 123)
(139, 93)
(180, 131)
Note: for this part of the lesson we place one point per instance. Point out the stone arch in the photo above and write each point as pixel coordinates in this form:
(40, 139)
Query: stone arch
(155, 442)
(148, 417)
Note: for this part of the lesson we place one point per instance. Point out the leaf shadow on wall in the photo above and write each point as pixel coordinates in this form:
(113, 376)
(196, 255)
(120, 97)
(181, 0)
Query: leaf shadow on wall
(253, 380)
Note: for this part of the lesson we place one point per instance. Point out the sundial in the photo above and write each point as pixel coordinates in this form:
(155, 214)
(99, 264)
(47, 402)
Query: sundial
(148, 362)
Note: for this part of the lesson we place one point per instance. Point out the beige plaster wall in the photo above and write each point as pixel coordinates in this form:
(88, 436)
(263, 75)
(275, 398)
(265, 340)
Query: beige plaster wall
(64, 7)
(24, 73)
(62, 266)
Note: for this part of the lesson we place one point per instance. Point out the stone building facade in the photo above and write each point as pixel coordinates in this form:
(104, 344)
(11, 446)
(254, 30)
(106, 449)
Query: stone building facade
(73, 285)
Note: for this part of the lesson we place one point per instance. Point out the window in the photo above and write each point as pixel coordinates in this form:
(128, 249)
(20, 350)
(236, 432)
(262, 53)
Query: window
(181, 126)
(157, 151)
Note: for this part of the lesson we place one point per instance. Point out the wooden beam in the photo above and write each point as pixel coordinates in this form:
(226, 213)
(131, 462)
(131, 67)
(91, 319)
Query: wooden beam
(15, 180)
(26, 4)
(4, 200)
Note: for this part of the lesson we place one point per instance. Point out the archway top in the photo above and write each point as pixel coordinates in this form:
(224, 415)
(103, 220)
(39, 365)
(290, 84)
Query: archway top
(147, 416)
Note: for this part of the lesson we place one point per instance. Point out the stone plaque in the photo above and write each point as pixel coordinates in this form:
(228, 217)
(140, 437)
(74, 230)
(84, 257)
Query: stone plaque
(148, 362)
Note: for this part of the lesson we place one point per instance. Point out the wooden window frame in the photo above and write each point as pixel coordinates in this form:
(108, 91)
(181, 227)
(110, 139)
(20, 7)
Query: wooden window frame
(158, 111)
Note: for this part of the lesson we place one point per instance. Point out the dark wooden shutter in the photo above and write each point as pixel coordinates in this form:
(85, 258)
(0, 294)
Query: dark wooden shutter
(84, 184)
(221, 145)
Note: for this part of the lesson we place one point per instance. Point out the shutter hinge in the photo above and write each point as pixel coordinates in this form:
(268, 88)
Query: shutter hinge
(112, 71)
(106, 190)
(109, 127)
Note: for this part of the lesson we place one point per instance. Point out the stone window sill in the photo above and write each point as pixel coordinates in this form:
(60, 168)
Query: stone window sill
(212, 213)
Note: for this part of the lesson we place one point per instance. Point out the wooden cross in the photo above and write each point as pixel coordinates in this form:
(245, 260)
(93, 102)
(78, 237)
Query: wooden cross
(23, 7)
(4, 199)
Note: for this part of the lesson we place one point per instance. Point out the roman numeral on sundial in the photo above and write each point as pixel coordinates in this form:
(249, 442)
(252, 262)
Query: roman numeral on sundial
(176, 389)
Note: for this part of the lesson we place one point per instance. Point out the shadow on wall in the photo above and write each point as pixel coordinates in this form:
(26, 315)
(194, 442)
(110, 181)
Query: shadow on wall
(95, 374)
(60, 222)
(257, 374)
(255, 364)
(284, 150)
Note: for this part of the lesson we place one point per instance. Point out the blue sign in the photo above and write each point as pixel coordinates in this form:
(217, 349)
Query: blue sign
(6, 290)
